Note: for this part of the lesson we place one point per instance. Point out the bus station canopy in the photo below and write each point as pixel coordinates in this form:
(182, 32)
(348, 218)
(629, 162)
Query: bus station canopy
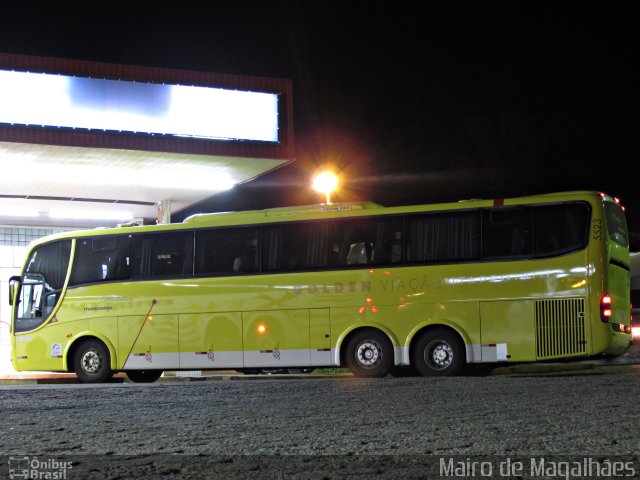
(86, 144)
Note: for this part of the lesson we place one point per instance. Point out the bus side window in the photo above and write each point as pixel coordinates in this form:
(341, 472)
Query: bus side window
(101, 259)
(506, 232)
(443, 237)
(370, 241)
(227, 251)
(359, 254)
(559, 229)
(296, 246)
(163, 255)
(396, 252)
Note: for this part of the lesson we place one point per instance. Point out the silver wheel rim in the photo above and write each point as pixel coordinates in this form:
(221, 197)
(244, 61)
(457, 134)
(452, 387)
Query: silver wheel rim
(91, 362)
(368, 354)
(438, 354)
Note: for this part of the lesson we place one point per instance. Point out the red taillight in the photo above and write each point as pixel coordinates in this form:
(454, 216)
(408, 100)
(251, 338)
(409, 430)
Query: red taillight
(605, 308)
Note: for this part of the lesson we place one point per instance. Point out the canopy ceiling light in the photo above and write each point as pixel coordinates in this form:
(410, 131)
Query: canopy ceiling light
(125, 106)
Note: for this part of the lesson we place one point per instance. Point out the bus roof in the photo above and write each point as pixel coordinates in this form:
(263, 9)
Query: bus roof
(315, 212)
(285, 211)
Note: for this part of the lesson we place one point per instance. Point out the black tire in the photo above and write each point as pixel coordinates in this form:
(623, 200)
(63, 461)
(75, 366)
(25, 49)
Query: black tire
(91, 362)
(439, 352)
(143, 376)
(369, 353)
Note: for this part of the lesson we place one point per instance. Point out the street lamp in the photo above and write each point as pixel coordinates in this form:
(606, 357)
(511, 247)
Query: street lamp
(326, 182)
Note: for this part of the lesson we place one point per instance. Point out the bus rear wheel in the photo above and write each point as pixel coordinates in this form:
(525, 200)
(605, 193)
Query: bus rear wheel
(439, 352)
(91, 362)
(143, 376)
(369, 353)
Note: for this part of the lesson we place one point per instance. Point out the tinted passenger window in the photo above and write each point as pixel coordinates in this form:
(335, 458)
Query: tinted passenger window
(296, 246)
(506, 232)
(227, 251)
(101, 259)
(443, 237)
(371, 241)
(560, 229)
(163, 255)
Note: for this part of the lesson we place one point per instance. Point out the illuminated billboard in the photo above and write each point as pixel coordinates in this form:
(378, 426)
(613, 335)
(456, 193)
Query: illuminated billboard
(50, 100)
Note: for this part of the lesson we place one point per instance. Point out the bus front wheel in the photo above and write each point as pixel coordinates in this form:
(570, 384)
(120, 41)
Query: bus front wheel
(143, 376)
(439, 352)
(369, 353)
(91, 362)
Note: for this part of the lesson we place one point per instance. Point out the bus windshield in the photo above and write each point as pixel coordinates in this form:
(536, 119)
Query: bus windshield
(42, 282)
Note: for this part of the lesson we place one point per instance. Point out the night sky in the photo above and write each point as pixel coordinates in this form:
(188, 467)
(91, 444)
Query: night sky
(411, 102)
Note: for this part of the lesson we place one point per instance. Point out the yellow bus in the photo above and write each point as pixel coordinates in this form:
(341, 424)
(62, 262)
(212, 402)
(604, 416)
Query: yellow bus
(432, 288)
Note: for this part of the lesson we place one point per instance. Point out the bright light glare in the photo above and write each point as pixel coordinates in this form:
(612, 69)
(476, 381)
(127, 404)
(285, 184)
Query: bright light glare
(636, 332)
(91, 214)
(262, 329)
(92, 103)
(20, 212)
(187, 177)
(326, 182)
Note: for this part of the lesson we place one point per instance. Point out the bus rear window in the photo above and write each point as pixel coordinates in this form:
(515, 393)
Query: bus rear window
(616, 224)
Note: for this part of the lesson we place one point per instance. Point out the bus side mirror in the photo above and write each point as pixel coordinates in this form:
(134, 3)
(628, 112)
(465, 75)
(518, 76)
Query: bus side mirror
(12, 287)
